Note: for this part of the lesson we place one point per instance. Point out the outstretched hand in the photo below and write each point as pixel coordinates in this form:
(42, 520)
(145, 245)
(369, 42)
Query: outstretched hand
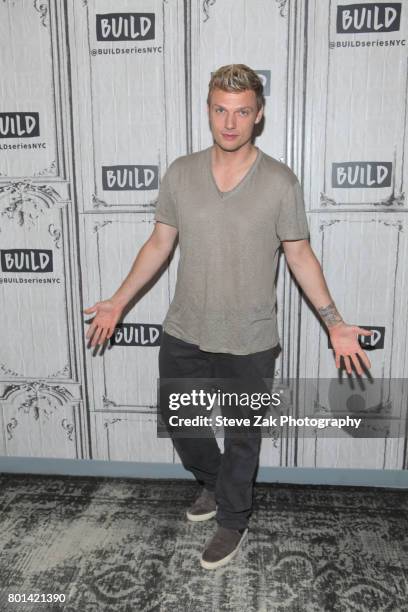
(344, 340)
(104, 323)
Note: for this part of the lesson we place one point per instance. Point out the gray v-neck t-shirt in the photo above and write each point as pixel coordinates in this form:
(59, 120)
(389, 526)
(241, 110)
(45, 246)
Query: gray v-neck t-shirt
(225, 298)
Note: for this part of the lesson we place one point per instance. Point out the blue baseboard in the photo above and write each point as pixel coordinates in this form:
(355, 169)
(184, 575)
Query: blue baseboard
(127, 469)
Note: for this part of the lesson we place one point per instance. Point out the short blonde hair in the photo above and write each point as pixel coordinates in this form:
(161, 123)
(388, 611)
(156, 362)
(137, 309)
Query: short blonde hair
(237, 77)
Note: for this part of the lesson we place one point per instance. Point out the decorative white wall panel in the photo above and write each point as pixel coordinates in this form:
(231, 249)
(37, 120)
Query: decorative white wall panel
(362, 256)
(356, 105)
(30, 99)
(128, 99)
(41, 355)
(124, 375)
(119, 436)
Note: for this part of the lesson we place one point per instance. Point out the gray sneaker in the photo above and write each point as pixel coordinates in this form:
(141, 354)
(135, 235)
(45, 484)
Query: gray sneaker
(203, 508)
(223, 547)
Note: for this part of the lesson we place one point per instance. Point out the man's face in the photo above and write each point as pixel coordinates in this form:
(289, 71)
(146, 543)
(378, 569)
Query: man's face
(232, 117)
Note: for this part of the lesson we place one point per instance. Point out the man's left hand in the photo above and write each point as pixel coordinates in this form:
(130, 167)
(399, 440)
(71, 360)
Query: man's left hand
(344, 340)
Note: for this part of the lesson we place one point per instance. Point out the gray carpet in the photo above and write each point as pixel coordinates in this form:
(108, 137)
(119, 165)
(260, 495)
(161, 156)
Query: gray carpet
(122, 545)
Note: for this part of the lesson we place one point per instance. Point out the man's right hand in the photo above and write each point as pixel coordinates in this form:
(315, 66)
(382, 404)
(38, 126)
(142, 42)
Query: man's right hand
(150, 258)
(103, 324)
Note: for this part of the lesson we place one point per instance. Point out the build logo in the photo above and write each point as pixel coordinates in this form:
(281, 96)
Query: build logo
(136, 334)
(125, 26)
(19, 125)
(368, 17)
(26, 260)
(130, 178)
(361, 174)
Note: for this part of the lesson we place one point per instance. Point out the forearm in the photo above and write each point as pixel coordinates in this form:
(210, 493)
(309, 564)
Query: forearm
(344, 338)
(148, 261)
(309, 274)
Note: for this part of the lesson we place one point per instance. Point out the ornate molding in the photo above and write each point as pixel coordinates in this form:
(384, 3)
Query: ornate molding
(68, 427)
(100, 224)
(109, 422)
(41, 399)
(42, 8)
(397, 224)
(326, 201)
(12, 424)
(28, 200)
(110, 404)
(8, 370)
(48, 170)
(325, 224)
(282, 6)
(206, 8)
(53, 395)
(64, 372)
(99, 203)
(55, 234)
(107, 403)
(392, 200)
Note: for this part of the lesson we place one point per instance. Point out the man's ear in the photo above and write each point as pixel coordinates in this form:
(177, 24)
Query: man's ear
(259, 115)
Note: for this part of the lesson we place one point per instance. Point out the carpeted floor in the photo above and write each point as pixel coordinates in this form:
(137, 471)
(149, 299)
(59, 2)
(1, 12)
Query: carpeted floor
(121, 545)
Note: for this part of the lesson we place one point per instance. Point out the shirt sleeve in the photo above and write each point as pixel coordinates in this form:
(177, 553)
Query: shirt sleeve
(166, 209)
(292, 222)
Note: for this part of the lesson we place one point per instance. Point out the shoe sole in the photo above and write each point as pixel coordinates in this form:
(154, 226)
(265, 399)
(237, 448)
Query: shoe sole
(209, 565)
(196, 518)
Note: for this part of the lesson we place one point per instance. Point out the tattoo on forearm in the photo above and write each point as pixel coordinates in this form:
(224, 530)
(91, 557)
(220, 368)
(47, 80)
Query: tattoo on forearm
(330, 315)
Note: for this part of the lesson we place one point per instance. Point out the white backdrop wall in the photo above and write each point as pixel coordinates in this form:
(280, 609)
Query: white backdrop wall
(97, 98)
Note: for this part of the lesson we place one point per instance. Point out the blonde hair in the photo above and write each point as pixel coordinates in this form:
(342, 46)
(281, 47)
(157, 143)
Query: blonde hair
(237, 77)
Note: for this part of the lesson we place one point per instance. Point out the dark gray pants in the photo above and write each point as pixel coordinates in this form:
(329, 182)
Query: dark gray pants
(231, 475)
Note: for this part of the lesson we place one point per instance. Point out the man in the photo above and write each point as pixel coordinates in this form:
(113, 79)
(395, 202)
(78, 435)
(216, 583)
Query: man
(232, 206)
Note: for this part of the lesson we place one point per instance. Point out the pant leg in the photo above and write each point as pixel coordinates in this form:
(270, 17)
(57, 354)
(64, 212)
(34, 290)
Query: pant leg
(200, 455)
(234, 487)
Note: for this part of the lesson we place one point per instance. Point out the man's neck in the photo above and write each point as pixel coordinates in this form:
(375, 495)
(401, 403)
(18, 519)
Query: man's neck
(233, 159)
